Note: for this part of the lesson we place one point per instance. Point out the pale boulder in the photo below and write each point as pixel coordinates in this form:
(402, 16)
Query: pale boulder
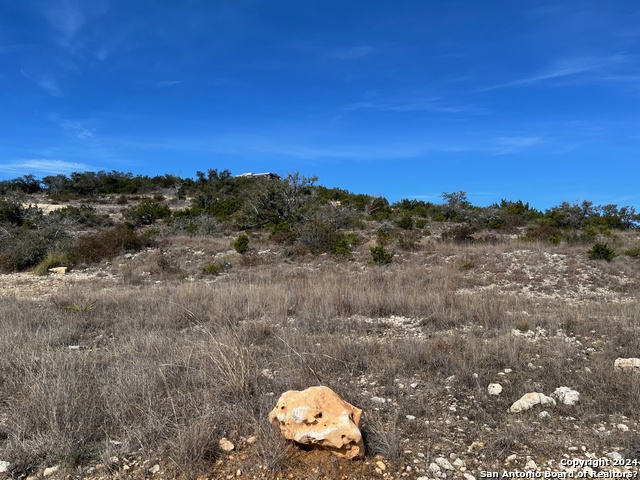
(58, 270)
(627, 364)
(530, 400)
(566, 395)
(319, 418)
(494, 389)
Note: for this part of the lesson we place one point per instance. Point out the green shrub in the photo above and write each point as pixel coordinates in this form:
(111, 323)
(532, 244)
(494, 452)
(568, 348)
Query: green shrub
(54, 259)
(345, 243)
(633, 252)
(601, 251)
(421, 223)
(83, 215)
(147, 212)
(405, 222)
(459, 234)
(110, 243)
(241, 244)
(213, 268)
(380, 255)
(23, 249)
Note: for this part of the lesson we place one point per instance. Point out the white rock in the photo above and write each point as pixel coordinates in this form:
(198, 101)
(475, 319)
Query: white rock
(378, 400)
(468, 476)
(531, 465)
(627, 364)
(566, 396)
(614, 456)
(434, 468)
(529, 400)
(458, 463)
(226, 445)
(410, 417)
(155, 469)
(50, 471)
(58, 270)
(622, 427)
(494, 389)
(4, 466)
(544, 415)
(444, 463)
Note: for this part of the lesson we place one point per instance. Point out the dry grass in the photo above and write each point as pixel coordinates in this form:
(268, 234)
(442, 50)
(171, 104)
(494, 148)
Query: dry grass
(168, 369)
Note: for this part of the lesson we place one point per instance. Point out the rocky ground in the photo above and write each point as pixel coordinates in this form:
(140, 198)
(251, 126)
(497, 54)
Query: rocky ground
(528, 317)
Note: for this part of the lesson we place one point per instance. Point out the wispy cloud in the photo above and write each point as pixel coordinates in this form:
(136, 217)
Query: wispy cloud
(168, 83)
(577, 67)
(76, 128)
(507, 145)
(426, 105)
(46, 82)
(69, 17)
(42, 166)
(353, 53)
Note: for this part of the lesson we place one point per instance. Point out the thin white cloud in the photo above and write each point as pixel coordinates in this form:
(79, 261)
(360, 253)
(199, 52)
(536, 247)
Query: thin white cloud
(507, 145)
(168, 83)
(69, 17)
(46, 82)
(42, 166)
(353, 53)
(571, 67)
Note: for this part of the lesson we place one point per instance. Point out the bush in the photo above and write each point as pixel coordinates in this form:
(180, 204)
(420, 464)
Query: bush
(406, 222)
(213, 268)
(241, 244)
(601, 251)
(380, 255)
(110, 243)
(54, 259)
(147, 212)
(459, 234)
(22, 249)
(83, 215)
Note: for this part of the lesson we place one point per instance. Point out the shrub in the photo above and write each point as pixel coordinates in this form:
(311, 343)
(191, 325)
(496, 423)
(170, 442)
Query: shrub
(459, 234)
(22, 249)
(601, 251)
(633, 252)
(83, 215)
(147, 212)
(54, 259)
(241, 244)
(380, 255)
(405, 222)
(213, 268)
(110, 243)
(421, 223)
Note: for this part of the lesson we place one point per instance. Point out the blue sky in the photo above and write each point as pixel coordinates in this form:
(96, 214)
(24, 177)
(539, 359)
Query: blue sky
(531, 100)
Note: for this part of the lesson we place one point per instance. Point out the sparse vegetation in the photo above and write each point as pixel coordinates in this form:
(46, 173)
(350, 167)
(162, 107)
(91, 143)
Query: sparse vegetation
(144, 352)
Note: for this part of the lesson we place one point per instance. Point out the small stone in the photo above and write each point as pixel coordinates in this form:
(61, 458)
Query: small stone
(380, 464)
(544, 415)
(252, 439)
(50, 471)
(622, 427)
(494, 389)
(226, 445)
(414, 385)
(511, 457)
(58, 270)
(458, 463)
(378, 400)
(4, 466)
(155, 469)
(411, 418)
(434, 468)
(531, 465)
(444, 463)
(468, 476)
(238, 473)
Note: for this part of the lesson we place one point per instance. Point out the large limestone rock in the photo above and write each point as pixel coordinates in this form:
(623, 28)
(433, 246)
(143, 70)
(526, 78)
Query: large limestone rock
(627, 364)
(319, 418)
(566, 395)
(530, 400)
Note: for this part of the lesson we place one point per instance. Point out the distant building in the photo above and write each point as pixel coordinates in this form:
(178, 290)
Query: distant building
(275, 176)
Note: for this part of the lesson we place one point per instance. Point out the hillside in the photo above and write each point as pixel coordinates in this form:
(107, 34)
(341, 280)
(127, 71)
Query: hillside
(187, 309)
